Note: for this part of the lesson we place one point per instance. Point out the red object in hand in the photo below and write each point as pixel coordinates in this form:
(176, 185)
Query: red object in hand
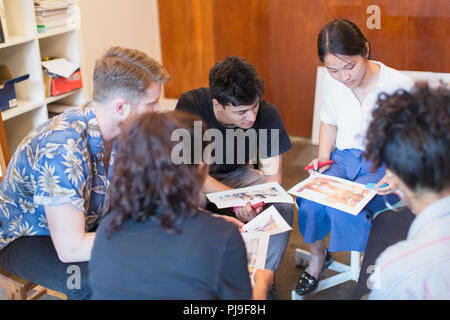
(254, 206)
(319, 165)
(257, 205)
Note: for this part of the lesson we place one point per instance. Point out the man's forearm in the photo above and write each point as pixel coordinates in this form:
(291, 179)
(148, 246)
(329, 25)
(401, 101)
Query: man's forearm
(275, 177)
(272, 169)
(214, 185)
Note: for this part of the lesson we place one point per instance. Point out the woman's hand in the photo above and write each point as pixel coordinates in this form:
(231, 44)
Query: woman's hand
(384, 190)
(315, 163)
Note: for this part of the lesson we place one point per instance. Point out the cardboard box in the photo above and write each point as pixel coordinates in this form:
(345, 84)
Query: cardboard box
(60, 85)
(7, 89)
(47, 84)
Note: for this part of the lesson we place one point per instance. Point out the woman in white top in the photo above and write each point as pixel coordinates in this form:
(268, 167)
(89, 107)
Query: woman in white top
(351, 88)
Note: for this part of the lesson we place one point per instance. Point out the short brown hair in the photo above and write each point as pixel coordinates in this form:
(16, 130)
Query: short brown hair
(127, 72)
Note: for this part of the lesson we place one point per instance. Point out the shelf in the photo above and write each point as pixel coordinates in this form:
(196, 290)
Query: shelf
(62, 96)
(14, 40)
(22, 107)
(56, 32)
(23, 53)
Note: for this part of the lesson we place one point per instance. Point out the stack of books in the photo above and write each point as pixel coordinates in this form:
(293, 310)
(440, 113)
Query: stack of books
(54, 14)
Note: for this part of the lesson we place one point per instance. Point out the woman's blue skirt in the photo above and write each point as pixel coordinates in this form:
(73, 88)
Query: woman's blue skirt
(347, 232)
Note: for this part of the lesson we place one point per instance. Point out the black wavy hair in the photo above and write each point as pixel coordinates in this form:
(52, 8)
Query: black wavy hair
(234, 81)
(147, 184)
(410, 133)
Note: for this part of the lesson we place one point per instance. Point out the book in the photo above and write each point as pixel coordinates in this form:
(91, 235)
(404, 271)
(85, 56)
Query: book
(3, 25)
(57, 17)
(2, 35)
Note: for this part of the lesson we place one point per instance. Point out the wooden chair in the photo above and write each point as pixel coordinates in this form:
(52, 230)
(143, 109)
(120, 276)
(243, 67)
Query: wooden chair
(18, 288)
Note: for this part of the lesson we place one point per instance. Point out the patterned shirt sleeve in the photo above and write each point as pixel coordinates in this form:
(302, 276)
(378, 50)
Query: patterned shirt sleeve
(60, 168)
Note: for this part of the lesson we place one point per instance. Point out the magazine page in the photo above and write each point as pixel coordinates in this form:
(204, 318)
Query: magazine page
(341, 194)
(270, 192)
(269, 220)
(256, 244)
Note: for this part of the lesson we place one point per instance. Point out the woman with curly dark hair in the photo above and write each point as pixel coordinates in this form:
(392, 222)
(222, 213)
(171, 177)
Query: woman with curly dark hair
(410, 134)
(155, 242)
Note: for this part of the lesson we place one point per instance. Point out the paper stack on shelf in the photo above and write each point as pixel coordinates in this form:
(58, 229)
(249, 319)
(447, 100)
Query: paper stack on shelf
(53, 14)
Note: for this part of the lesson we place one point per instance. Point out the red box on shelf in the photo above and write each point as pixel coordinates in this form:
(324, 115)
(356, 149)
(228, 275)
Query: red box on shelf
(62, 85)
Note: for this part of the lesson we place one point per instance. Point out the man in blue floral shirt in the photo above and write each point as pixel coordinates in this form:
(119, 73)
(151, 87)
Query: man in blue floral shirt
(54, 192)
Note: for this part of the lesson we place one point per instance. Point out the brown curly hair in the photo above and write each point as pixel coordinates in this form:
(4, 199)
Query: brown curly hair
(410, 133)
(146, 183)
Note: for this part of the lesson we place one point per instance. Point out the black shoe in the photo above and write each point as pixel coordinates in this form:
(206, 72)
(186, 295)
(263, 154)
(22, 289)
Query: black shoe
(306, 283)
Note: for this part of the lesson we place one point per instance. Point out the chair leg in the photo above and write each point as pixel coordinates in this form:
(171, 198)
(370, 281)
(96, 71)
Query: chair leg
(21, 294)
(39, 292)
(10, 295)
(355, 264)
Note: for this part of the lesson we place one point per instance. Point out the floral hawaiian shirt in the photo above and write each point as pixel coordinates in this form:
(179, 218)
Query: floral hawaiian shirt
(61, 162)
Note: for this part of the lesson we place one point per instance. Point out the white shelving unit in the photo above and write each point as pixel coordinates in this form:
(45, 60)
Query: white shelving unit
(22, 53)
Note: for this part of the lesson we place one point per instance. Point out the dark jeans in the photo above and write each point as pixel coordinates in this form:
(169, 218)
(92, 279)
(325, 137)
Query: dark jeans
(35, 259)
(387, 229)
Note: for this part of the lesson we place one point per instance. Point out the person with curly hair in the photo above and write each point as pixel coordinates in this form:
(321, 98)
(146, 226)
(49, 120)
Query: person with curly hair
(410, 134)
(350, 90)
(53, 193)
(156, 242)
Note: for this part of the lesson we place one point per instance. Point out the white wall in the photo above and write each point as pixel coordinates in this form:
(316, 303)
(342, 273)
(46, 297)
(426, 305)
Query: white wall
(126, 23)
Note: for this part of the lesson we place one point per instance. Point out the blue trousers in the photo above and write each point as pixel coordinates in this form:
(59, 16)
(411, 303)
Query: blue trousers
(347, 232)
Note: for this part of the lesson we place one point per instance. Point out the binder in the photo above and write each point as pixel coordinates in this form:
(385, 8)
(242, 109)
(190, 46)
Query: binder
(2, 35)
(3, 26)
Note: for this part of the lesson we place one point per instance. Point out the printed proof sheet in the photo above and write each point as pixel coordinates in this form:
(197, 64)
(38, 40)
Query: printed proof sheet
(270, 192)
(269, 220)
(257, 234)
(341, 194)
(256, 244)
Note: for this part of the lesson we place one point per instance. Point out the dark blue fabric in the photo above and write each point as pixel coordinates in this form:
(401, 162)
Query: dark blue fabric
(34, 258)
(207, 260)
(347, 232)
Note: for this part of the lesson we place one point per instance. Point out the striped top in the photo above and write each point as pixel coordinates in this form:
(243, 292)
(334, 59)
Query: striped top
(418, 267)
